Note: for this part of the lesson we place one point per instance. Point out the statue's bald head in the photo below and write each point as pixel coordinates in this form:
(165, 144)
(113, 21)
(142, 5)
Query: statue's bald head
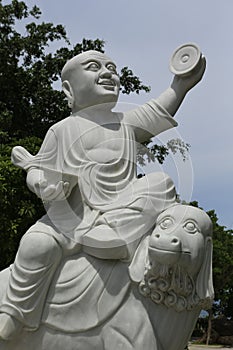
(71, 65)
(90, 79)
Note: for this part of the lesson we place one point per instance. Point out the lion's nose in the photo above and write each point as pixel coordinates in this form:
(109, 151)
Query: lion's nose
(175, 240)
(165, 242)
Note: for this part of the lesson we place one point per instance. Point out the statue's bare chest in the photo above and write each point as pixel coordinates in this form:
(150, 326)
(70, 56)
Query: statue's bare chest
(101, 143)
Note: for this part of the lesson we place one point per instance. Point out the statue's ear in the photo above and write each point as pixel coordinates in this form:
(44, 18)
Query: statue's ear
(204, 283)
(67, 89)
(139, 261)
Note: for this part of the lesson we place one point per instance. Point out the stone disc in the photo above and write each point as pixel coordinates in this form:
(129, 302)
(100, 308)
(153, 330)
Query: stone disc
(184, 59)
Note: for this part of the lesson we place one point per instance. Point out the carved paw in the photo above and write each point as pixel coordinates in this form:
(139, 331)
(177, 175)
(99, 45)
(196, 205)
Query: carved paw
(9, 326)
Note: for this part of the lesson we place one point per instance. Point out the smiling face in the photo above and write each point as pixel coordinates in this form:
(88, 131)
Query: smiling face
(91, 79)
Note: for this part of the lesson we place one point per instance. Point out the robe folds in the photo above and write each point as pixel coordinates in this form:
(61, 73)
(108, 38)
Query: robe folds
(103, 176)
(99, 162)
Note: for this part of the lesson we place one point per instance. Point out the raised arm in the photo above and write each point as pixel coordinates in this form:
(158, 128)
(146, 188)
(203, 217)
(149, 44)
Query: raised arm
(172, 98)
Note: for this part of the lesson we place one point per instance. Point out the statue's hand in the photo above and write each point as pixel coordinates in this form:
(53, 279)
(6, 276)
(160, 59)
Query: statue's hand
(184, 83)
(38, 184)
(57, 192)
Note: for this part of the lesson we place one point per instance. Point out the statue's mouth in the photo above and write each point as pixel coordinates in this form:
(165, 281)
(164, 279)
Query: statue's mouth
(106, 82)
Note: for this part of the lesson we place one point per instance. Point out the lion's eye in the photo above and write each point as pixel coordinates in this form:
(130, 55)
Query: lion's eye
(190, 227)
(166, 223)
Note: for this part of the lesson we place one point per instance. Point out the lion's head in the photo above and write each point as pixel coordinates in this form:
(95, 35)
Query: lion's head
(173, 265)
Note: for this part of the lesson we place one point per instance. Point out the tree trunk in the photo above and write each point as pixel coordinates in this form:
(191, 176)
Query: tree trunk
(210, 312)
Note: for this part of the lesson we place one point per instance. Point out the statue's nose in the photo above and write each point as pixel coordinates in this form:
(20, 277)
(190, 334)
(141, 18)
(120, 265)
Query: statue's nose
(105, 73)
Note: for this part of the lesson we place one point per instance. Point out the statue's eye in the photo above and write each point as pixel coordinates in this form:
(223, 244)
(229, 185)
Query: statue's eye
(112, 68)
(190, 227)
(165, 223)
(93, 66)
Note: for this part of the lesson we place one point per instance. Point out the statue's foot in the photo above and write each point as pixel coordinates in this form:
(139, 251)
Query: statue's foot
(104, 243)
(9, 326)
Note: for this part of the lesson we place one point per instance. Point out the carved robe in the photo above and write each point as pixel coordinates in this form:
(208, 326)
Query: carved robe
(99, 161)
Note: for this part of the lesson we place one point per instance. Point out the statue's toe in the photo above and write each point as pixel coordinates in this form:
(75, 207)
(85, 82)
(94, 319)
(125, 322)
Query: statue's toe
(9, 326)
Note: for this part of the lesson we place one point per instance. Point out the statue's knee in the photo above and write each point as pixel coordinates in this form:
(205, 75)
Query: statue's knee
(161, 177)
(37, 250)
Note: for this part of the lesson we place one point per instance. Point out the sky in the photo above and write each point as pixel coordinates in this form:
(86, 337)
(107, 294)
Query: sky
(142, 35)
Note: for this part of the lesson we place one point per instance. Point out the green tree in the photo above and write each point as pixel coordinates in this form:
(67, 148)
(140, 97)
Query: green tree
(222, 265)
(222, 270)
(29, 105)
(19, 207)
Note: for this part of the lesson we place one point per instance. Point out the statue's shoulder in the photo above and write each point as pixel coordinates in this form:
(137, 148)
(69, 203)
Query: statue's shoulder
(65, 125)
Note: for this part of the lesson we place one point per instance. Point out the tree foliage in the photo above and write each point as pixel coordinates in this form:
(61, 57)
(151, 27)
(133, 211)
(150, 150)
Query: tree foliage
(222, 266)
(222, 277)
(19, 207)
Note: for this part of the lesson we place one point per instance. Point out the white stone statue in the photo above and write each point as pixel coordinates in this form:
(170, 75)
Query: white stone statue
(74, 279)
